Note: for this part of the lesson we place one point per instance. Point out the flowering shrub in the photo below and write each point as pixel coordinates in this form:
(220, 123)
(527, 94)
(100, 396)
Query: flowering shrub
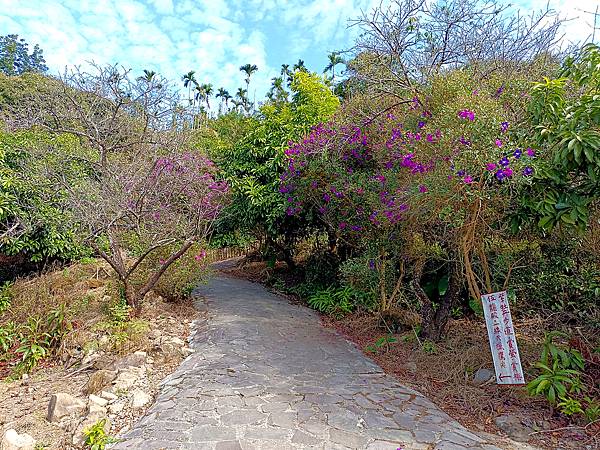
(427, 182)
(154, 207)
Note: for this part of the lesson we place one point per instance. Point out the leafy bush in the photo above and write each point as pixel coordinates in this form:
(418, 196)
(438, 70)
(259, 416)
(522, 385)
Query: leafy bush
(182, 276)
(334, 301)
(561, 380)
(5, 296)
(32, 215)
(96, 437)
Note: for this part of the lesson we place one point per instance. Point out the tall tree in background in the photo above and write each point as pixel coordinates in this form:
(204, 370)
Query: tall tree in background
(224, 95)
(208, 91)
(334, 60)
(249, 70)
(189, 81)
(15, 58)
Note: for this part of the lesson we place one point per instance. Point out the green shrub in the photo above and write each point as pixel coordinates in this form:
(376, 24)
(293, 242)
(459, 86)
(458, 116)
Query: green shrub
(96, 437)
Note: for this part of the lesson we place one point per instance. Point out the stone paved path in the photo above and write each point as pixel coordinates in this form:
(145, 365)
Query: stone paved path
(267, 375)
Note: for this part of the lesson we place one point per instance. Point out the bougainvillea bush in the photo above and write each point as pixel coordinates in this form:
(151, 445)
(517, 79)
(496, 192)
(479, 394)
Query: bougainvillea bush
(427, 187)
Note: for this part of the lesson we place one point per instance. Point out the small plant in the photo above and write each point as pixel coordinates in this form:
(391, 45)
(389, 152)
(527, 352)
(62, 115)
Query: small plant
(5, 296)
(8, 336)
(383, 341)
(96, 437)
(560, 368)
(592, 410)
(333, 301)
(428, 347)
(569, 406)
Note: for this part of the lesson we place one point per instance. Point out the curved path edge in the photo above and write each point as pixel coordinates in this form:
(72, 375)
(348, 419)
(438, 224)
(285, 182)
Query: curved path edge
(267, 375)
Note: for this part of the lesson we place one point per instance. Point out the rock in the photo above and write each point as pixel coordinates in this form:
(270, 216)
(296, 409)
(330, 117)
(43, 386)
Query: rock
(186, 351)
(116, 407)
(15, 441)
(95, 412)
(176, 341)
(62, 405)
(125, 380)
(104, 361)
(513, 427)
(108, 395)
(98, 380)
(154, 334)
(483, 376)
(98, 400)
(140, 399)
(136, 359)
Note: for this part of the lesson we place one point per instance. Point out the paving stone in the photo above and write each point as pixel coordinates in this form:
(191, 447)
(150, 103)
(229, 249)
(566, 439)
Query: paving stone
(300, 437)
(228, 445)
(265, 374)
(352, 440)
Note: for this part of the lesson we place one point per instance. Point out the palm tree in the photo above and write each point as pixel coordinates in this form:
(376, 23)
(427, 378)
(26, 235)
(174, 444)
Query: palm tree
(148, 76)
(277, 91)
(208, 90)
(189, 80)
(300, 65)
(198, 94)
(334, 60)
(248, 69)
(227, 98)
(242, 96)
(222, 92)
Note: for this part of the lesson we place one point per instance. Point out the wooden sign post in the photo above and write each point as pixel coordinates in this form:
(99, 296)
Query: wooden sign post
(503, 342)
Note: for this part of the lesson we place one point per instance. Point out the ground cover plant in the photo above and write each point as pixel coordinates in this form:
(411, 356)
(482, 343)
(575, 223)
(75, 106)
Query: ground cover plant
(457, 153)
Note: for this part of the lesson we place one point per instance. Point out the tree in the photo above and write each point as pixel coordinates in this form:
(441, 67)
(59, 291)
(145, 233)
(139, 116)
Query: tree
(15, 58)
(189, 82)
(248, 69)
(148, 75)
(405, 43)
(208, 90)
(277, 91)
(254, 166)
(141, 190)
(224, 95)
(334, 60)
(101, 106)
(300, 66)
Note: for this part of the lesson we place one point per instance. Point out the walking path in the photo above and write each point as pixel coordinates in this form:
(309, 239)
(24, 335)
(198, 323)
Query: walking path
(267, 375)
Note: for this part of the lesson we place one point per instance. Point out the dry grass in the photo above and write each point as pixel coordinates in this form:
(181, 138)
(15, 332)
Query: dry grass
(84, 289)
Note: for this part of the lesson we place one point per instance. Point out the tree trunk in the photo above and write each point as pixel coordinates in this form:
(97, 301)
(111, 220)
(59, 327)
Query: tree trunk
(435, 320)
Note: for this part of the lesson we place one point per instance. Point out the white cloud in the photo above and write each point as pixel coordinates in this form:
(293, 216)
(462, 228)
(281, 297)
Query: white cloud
(212, 37)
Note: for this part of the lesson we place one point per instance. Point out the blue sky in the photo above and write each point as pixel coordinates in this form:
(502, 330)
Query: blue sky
(211, 37)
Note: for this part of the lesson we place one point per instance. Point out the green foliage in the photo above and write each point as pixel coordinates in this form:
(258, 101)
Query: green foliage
(37, 338)
(334, 301)
(381, 342)
(5, 296)
(254, 166)
(566, 114)
(32, 214)
(96, 437)
(15, 58)
(560, 369)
